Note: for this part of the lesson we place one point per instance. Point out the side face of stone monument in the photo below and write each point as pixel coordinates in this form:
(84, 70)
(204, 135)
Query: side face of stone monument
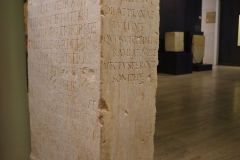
(198, 47)
(93, 78)
(64, 79)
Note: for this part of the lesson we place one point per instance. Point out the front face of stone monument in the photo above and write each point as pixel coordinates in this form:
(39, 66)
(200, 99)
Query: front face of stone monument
(129, 60)
(92, 78)
(174, 41)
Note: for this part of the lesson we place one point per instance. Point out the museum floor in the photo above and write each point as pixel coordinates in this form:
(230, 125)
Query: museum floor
(198, 116)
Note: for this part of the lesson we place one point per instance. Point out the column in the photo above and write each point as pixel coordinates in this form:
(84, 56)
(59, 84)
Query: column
(93, 78)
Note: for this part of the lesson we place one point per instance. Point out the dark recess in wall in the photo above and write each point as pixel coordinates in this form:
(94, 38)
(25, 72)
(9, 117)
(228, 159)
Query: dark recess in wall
(179, 15)
(229, 52)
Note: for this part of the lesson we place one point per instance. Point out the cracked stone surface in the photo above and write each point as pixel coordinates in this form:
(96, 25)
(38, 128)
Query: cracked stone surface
(92, 78)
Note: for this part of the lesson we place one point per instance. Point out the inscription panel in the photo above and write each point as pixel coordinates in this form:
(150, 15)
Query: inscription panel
(64, 79)
(130, 40)
(93, 78)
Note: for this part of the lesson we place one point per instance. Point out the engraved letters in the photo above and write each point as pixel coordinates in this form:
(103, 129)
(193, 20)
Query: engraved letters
(92, 78)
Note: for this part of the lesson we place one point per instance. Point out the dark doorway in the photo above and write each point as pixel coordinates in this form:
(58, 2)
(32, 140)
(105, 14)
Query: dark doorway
(229, 52)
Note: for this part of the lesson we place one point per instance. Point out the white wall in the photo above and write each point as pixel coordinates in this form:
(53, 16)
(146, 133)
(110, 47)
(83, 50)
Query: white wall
(210, 31)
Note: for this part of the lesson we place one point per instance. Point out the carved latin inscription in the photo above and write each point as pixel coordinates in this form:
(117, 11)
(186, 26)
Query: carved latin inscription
(130, 41)
(64, 79)
(92, 78)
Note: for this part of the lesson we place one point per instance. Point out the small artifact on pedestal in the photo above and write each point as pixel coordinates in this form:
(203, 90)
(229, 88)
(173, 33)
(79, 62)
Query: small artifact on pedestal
(175, 60)
(174, 41)
(198, 46)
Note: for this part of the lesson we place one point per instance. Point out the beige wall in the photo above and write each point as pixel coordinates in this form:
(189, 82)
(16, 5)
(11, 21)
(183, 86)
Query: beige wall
(210, 31)
(14, 115)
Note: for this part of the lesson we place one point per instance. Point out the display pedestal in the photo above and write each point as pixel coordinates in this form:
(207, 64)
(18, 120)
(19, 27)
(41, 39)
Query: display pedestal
(175, 63)
(202, 67)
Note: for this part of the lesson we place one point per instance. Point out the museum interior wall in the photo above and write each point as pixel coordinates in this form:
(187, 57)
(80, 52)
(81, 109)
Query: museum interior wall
(229, 52)
(182, 41)
(179, 15)
(210, 29)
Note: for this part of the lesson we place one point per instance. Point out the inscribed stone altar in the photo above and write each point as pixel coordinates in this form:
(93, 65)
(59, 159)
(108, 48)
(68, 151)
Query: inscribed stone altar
(92, 78)
(174, 41)
(198, 47)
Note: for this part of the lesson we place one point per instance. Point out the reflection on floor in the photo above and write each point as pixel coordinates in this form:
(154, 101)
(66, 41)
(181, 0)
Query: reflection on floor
(198, 116)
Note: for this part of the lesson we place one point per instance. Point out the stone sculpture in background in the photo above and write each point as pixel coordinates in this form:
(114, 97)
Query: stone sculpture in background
(197, 49)
(174, 41)
(198, 46)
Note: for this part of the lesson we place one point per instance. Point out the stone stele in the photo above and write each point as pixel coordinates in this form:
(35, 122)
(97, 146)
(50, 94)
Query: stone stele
(174, 41)
(198, 47)
(92, 78)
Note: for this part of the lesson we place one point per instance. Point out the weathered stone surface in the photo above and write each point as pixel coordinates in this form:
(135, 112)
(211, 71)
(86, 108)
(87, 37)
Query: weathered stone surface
(198, 46)
(64, 79)
(92, 79)
(174, 41)
(129, 79)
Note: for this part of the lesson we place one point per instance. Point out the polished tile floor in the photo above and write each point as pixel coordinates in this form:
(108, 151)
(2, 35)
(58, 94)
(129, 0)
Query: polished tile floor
(198, 115)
